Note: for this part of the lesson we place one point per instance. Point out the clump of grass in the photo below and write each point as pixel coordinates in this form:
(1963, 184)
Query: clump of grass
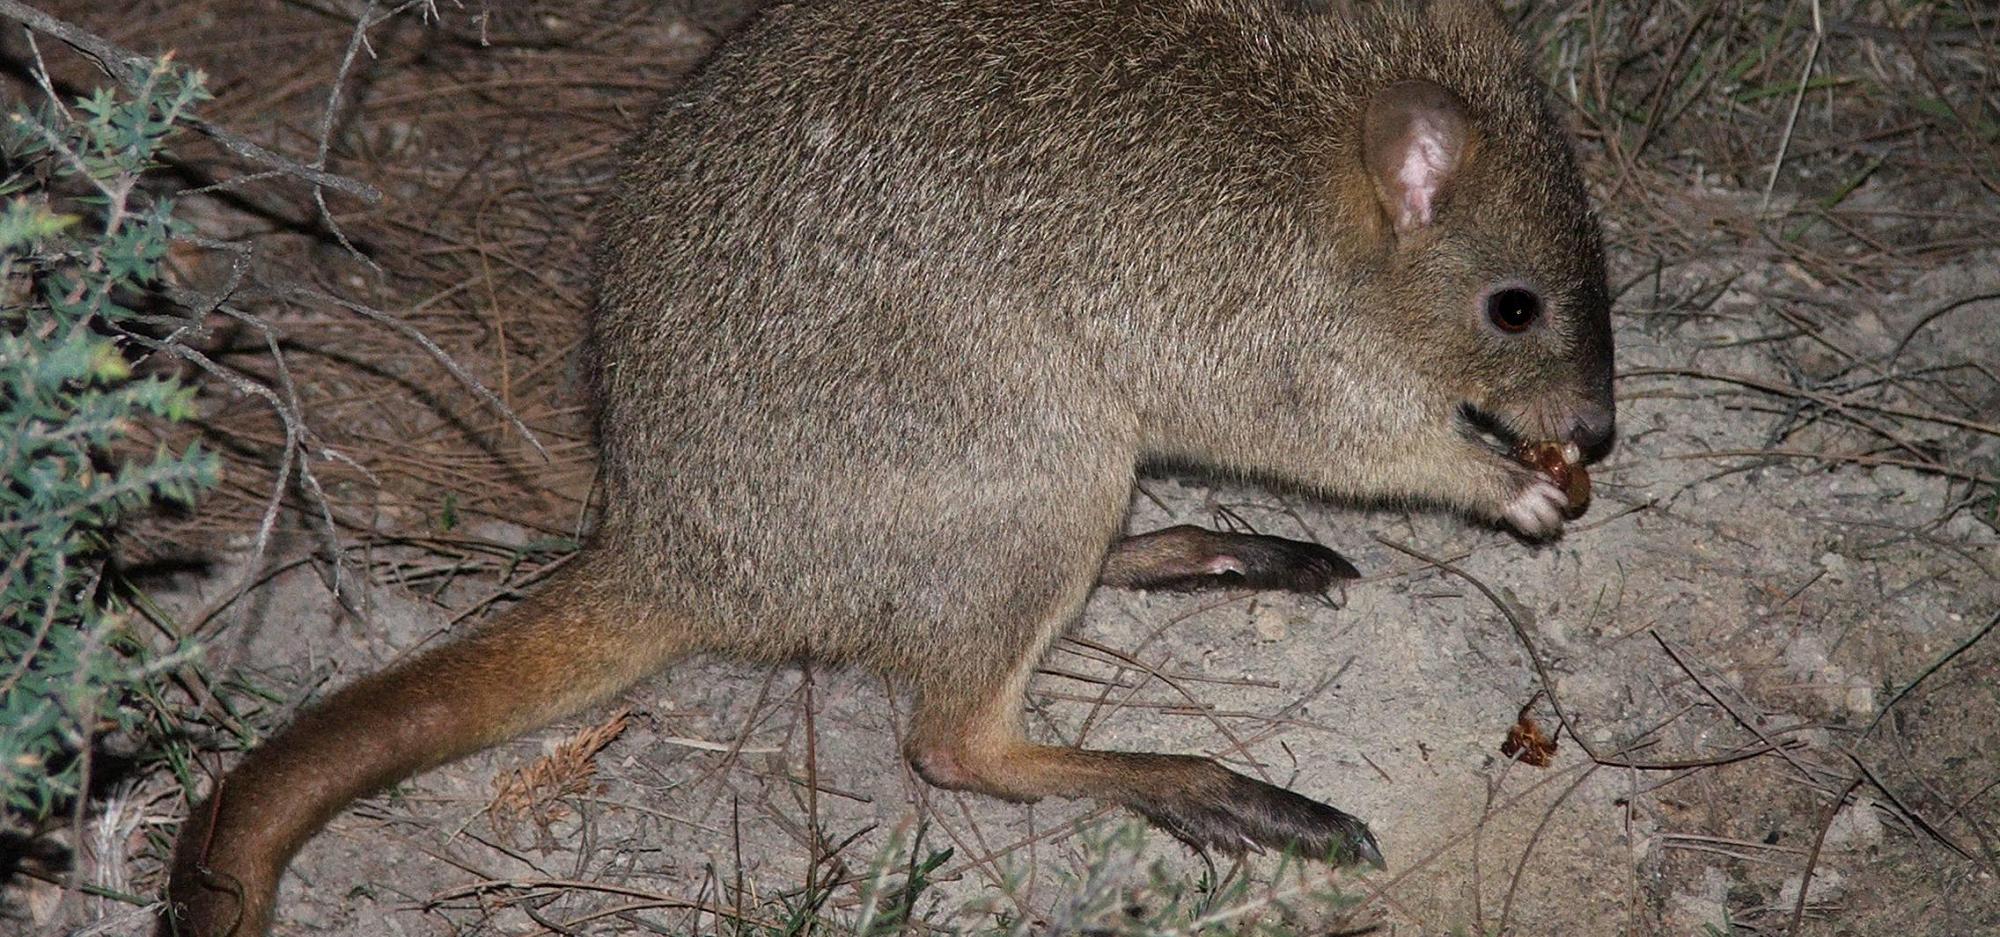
(535, 793)
(1115, 891)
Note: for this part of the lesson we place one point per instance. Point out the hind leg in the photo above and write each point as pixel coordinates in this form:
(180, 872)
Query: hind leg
(1189, 557)
(968, 735)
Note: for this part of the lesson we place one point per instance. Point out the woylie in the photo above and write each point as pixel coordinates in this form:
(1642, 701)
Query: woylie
(894, 299)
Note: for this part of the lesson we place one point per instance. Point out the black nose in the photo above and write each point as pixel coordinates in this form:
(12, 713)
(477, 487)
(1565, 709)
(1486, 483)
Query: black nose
(1593, 431)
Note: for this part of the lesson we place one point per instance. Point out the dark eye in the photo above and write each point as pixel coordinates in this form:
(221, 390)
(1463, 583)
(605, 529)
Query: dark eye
(1513, 309)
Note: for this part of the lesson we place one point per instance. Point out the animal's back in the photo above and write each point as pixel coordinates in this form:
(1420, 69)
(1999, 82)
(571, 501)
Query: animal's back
(879, 261)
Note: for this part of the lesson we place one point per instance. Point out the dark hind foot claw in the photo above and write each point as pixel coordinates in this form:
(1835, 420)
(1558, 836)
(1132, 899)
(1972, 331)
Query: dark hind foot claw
(1188, 557)
(1239, 815)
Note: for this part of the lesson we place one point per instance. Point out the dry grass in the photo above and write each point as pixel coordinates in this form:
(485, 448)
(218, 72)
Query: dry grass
(534, 793)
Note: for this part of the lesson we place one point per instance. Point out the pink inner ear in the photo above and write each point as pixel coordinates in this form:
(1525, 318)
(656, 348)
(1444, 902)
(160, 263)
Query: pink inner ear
(1413, 140)
(1420, 176)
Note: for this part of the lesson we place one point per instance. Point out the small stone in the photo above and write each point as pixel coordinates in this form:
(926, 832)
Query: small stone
(1827, 884)
(1860, 699)
(1270, 623)
(1857, 826)
(1689, 914)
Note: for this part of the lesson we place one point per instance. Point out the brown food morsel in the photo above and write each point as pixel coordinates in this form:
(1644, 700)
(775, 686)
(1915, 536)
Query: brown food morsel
(1526, 742)
(1570, 476)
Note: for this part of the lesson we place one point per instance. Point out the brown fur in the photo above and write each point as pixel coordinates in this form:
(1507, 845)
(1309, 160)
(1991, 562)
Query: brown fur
(896, 297)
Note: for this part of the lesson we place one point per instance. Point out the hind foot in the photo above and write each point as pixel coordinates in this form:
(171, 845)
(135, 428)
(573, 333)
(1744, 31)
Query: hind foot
(1189, 557)
(1233, 814)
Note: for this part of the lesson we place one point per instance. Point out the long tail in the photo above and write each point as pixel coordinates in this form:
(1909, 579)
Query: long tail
(562, 649)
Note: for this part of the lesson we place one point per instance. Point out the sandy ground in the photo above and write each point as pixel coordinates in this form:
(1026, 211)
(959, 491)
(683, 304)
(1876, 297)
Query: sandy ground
(1743, 617)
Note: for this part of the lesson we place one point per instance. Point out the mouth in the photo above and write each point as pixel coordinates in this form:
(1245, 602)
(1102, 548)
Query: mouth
(1561, 461)
(1488, 429)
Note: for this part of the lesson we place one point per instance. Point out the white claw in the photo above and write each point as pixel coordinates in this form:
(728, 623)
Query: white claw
(1538, 511)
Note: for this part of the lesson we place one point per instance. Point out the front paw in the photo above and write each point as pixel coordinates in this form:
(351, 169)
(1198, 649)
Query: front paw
(1538, 507)
(1189, 557)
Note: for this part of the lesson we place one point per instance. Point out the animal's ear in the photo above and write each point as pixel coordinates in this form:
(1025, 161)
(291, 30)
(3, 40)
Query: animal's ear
(1413, 141)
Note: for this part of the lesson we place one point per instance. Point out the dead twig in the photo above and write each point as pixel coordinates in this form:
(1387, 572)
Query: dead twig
(1812, 857)
(1962, 647)
(1514, 618)
(129, 68)
(1827, 400)
(430, 347)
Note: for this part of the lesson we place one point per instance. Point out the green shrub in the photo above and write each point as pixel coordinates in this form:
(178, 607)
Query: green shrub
(82, 244)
